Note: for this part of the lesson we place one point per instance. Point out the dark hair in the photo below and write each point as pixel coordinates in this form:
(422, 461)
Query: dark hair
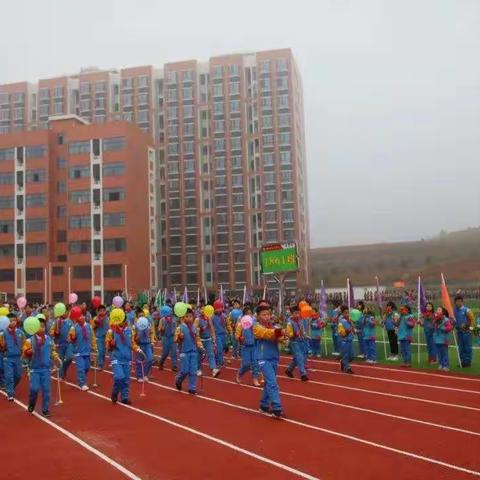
(336, 303)
(430, 303)
(343, 308)
(189, 310)
(445, 312)
(458, 297)
(11, 315)
(247, 309)
(294, 308)
(391, 305)
(408, 308)
(361, 304)
(101, 306)
(262, 308)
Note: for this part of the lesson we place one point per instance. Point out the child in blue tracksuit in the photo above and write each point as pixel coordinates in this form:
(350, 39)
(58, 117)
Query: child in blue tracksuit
(207, 336)
(317, 325)
(359, 325)
(100, 325)
(296, 335)
(345, 332)
(464, 319)
(145, 339)
(246, 340)
(166, 330)
(220, 324)
(84, 343)
(59, 331)
(40, 350)
(405, 334)
(369, 335)
(442, 327)
(333, 316)
(188, 339)
(390, 324)
(232, 320)
(120, 343)
(11, 344)
(427, 319)
(129, 314)
(478, 326)
(267, 337)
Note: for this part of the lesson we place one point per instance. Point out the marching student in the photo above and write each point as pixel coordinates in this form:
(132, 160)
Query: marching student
(188, 339)
(427, 320)
(442, 327)
(232, 321)
(100, 324)
(405, 334)
(120, 343)
(369, 335)
(296, 334)
(144, 336)
(129, 314)
(268, 337)
(59, 331)
(317, 327)
(166, 330)
(220, 324)
(84, 343)
(333, 316)
(464, 319)
(359, 325)
(246, 339)
(207, 336)
(11, 344)
(40, 350)
(345, 331)
(390, 324)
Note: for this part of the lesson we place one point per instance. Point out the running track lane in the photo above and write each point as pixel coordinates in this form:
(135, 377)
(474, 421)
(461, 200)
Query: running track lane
(287, 440)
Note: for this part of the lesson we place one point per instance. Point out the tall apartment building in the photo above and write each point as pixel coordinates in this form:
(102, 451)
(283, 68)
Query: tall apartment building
(77, 210)
(230, 156)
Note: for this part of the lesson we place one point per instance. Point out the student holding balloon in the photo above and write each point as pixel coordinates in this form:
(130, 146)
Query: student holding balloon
(166, 330)
(232, 320)
(246, 339)
(405, 334)
(220, 325)
(208, 339)
(345, 331)
(317, 326)
(144, 336)
(59, 331)
(296, 334)
(369, 335)
(100, 324)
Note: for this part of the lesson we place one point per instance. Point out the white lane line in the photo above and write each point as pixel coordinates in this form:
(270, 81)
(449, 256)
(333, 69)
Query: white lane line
(219, 441)
(82, 443)
(324, 430)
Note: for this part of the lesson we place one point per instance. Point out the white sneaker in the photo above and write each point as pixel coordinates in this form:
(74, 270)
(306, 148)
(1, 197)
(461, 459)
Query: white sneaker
(140, 380)
(394, 358)
(84, 388)
(369, 361)
(361, 356)
(335, 354)
(145, 379)
(199, 373)
(215, 372)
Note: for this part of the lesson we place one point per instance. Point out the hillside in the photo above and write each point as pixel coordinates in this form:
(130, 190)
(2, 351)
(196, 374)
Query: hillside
(456, 254)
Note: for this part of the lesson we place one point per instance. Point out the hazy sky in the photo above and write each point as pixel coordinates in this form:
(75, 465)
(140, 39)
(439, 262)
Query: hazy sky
(392, 91)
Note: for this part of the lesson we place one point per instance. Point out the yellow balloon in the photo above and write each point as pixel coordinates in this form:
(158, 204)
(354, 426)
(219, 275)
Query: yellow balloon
(146, 312)
(208, 310)
(4, 311)
(117, 316)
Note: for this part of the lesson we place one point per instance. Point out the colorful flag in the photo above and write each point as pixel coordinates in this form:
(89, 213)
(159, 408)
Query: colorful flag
(323, 302)
(447, 303)
(421, 298)
(350, 294)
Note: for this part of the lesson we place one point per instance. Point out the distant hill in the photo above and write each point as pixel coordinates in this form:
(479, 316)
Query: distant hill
(456, 254)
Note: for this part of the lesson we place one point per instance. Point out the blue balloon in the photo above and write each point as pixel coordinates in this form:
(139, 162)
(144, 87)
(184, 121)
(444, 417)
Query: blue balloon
(142, 323)
(236, 313)
(4, 323)
(165, 311)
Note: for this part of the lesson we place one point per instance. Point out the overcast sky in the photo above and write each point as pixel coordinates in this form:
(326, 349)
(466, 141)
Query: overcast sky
(392, 91)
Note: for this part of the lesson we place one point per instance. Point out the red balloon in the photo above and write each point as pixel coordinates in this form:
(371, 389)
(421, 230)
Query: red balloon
(75, 313)
(306, 312)
(96, 302)
(218, 305)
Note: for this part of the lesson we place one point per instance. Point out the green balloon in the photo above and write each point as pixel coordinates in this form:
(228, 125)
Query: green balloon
(180, 309)
(355, 315)
(59, 309)
(31, 325)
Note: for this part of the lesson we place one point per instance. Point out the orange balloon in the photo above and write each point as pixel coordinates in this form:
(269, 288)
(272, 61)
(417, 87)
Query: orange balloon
(303, 304)
(306, 312)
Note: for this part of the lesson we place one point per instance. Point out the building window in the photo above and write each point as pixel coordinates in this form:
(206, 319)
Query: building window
(220, 163)
(270, 197)
(282, 65)
(78, 247)
(79, 221)
(82, 271)
(7, 154)
(282, 83)
(287, 196)
(282, 101)
(187, 147)
(237, 199)
(35, 151)
(128, 116)
(36, 200)
(61, 186)
(217, 72)
(7, 178)
(238, 218)
(218, 126)
(235, 106)
(36, 225)
(112, 271)
(36, 249)
(115, 245)
(84, 106)
(266, 103)
(34, 274)
(269, 178)
(237, 180)
(57, 271)
(188, 111)
(285, 157)
(36, 176)
(113, 219)
(113, 169)
(286, 176)
(219, 144)
(220, 181)
(58, 108)
(113, 143)
(79, 171)
(171, 77)
(7, 202)
(61, 211)
(265, 84)
(127, 99)
(77, 148)
(7, 251)
(236, 143)
(142, 116)
(80, 196)
(287, 216)
(173, 148)
(271, 216)
(189, 166)
(268, 159)
(7, 275)
(265, 66)
(268, 140)
(237, 161)
(218, 108)
(284, 138)
(61, 236)
(6, 226)
(267, 121)
(187, 93)
(234, 88)
(235, 125)
(113, 194)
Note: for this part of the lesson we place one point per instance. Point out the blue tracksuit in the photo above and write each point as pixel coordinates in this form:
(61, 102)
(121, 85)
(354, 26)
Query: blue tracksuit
(100, 326)
(247, 351)
(464, 335)
(119, 342)
(296, 333)
(188, 341)
(12, 363)
(143, 339)
(369, 337)
(441, 334)
(219, 323)
(334, 315)
(346, 343)
(359, 324)
(207, 341)
(130, 316)
(317, 327)
(167, 331)
(428, 329)
(42, 351)
(267, 354)
(405, 333)
(59, 332)
(82, 348)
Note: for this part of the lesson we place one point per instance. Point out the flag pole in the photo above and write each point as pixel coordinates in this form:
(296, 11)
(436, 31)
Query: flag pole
(379, 300)
(447, 296)
(418, 318)
(324, 336)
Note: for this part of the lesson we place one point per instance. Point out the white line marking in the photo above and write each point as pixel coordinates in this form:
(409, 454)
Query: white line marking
(85, 445)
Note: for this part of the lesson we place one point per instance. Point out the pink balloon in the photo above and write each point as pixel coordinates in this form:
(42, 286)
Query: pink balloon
(117, 301)
(72, 298)
(21, 302)
(246, 321)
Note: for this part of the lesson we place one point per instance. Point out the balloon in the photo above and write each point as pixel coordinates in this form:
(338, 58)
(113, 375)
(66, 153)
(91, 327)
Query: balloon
(117, 301)
(75, 313)
(146, 312)
(218, 305)
(31, 325)
(96, 302)
(355, 315)
(303, 304)
(306, 312)
(165, 311)
(142, 323)
(180, 309)
(72, 298)
(4, 322)
(4, 311)
(117, 316)
(236, 313)
(208, 310)
(41, 316)
(21, 302)
(59, 309)
(246, 321)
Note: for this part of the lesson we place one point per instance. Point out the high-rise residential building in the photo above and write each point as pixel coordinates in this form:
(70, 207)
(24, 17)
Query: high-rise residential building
(77, 210)
(230, 156)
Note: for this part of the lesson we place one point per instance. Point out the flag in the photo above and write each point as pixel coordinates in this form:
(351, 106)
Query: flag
(350, 294)
(221, 293)
(174, 295)
(185, 295)
(244, 299)
(447, 303)
(421, 298)
(323, 302)
(378, 296)
(198, 296)
(205, 298)
(158, 298)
